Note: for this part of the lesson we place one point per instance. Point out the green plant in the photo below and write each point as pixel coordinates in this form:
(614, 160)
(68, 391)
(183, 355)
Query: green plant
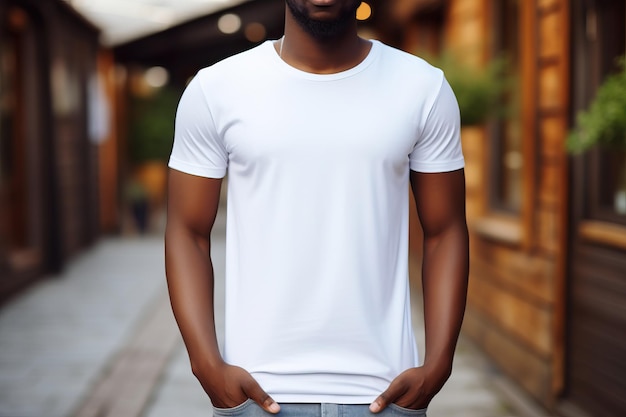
(604, 122)
(151, 126)
(479, 91)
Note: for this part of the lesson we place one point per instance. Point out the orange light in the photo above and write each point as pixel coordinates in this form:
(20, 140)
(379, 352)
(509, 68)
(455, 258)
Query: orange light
(364, 11)
(255, 32)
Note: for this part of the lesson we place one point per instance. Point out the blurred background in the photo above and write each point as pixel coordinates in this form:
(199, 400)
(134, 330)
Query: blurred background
(88, 93)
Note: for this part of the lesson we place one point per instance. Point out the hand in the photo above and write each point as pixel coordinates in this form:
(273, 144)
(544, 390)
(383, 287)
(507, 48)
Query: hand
(229, 386)
(413, 388)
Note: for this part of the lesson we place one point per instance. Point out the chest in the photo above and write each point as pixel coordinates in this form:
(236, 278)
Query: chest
(329, 124)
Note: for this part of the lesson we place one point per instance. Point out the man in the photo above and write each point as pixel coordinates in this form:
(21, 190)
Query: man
(320, 133)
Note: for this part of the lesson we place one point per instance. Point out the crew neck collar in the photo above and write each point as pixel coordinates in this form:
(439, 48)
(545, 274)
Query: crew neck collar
(283, 66)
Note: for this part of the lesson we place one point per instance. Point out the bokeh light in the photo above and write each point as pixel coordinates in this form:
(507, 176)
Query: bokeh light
(229, 23)
(156, 77)
(364, 11)
(255, 32)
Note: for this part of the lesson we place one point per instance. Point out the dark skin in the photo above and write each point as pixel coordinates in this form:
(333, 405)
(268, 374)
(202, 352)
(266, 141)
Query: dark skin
(326, 56)
(440, 201)
(191, 209)
(440, 198)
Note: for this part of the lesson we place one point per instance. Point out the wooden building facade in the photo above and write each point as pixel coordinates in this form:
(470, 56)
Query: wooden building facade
(547, 297)
(49, 129)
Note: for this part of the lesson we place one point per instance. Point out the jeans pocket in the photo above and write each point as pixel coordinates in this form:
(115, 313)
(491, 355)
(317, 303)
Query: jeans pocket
(407, 412)
(233, 411)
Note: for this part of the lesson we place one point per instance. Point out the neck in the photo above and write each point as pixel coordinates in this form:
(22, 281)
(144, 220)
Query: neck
(322, 56)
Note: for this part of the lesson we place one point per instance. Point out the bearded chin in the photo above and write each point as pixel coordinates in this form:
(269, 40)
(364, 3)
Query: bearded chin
(323, 29)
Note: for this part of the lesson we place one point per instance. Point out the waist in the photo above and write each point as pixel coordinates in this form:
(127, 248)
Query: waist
(251, 409)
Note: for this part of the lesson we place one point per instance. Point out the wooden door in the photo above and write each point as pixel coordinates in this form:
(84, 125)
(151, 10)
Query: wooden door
(21, 203)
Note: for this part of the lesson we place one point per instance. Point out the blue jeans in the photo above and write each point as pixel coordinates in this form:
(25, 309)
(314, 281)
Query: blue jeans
(252, 409)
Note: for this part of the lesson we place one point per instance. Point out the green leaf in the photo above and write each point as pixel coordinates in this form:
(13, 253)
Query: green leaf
(604, 122)
(479, 92)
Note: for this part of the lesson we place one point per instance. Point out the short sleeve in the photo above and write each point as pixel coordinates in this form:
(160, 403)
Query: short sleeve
(198, 149)
(438, 147)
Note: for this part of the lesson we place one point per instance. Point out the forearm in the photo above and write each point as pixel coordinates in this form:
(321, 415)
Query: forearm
(444, 272)
(189, 274)
(445, 278)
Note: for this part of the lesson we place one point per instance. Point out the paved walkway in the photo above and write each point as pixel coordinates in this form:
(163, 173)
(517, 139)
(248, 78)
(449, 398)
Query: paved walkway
(100, 341)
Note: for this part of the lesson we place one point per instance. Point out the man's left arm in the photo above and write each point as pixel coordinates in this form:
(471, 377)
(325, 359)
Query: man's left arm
(440, 201)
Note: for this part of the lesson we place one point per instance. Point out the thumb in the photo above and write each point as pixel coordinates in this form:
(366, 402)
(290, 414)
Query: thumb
(384, 399)
(378, 405)
(254, 391)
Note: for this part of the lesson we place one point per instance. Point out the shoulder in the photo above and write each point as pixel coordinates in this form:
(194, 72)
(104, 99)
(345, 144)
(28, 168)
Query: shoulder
(413, 79)
(410, 67)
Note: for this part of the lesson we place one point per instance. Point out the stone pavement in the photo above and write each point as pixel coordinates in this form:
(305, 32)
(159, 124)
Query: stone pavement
(58, 338)
(100, 341)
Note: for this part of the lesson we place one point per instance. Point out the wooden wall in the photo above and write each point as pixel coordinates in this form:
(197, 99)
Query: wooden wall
(553, 112)
(516, 302)
(109, 150)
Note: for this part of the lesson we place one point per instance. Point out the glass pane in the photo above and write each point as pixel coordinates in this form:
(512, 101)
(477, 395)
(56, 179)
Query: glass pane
(609, 170)
(507, 142)
(613, 181)
(511, 164)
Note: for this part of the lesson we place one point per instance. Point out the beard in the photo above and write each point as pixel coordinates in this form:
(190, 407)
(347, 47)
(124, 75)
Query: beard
(324, 29)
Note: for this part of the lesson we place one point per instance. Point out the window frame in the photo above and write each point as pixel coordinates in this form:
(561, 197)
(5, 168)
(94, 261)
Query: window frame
(600, 57)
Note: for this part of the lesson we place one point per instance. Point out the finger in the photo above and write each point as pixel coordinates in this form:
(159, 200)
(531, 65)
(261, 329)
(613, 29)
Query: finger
(394, 391)
(254, 391)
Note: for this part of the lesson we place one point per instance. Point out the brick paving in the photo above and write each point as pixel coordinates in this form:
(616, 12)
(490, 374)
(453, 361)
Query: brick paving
(100, 341)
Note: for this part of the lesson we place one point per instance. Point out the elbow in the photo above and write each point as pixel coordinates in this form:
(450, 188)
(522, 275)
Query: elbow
(178, 236)
(455, 234)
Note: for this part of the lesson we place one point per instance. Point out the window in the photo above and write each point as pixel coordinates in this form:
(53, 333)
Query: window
(506, 140)
(605, 43)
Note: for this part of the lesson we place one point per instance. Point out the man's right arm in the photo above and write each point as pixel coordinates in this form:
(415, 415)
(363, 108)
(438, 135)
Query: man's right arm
(192, 207)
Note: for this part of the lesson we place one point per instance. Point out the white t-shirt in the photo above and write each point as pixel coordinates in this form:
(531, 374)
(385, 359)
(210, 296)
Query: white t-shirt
(317, 300)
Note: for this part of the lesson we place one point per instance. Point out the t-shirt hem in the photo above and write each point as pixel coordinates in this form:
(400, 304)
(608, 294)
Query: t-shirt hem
(200, 171)
(433, 167)
(327, 399)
